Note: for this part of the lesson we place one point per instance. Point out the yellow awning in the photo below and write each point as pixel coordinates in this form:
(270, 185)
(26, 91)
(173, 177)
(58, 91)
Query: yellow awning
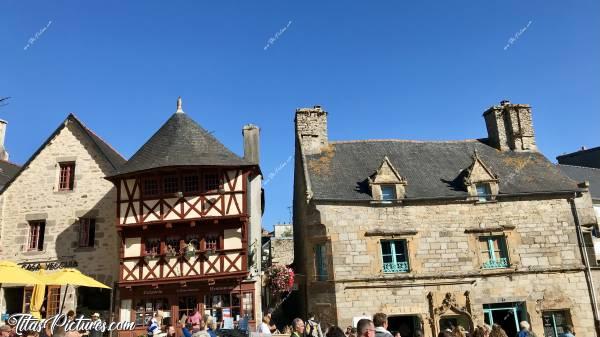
(73, 277)
(12, 273)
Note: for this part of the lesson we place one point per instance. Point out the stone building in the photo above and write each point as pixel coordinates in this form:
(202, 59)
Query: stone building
(441, 233)
(57, 211)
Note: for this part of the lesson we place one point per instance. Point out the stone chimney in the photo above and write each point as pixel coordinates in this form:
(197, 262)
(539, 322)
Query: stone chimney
(3, 153)
(251, 135)
(510, 127)
(311, 129)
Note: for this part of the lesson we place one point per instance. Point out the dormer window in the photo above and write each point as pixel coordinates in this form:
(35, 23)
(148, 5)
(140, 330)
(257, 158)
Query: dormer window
(388, 192)
(386, 183)
(484, 192)
(481, 183)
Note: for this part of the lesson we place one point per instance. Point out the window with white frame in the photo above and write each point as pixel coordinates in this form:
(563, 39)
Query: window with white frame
(394, 254)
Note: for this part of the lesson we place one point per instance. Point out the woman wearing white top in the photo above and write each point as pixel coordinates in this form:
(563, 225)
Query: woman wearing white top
(263, 328)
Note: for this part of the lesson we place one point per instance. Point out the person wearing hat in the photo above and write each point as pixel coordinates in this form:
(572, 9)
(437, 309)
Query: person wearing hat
(94, 331)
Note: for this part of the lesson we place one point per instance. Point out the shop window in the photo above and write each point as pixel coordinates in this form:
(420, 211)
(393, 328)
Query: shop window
(222, 303)
(388, 192)
(52, 301)
(187, 306)
(555, 322)
(171, 183)
(36, 235)
(145, 308)
(321, 262)
(150, 187)
(493, 252)
(87, 232)
(190, 183)
(211, 182)
(248, 306)
(394, 256)
(484, 192)
(66, 178)
(152, 246)
(27, 292)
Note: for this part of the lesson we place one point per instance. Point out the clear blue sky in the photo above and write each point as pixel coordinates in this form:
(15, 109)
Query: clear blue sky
(383, 69)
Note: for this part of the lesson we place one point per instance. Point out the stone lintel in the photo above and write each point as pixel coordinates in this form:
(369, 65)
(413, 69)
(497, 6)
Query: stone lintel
(379, 232)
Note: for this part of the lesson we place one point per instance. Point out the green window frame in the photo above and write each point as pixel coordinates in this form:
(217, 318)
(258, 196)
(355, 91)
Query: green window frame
(394, 256)
(555, 322)
(321, 262)
(494, 252)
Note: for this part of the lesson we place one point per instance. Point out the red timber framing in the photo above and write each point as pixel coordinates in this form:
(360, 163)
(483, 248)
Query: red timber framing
(150, 198)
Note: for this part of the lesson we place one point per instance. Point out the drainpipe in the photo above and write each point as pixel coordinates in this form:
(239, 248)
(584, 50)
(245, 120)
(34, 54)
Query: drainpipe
(588, 272)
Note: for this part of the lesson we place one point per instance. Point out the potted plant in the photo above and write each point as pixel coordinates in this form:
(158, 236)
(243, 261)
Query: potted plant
(190, 250)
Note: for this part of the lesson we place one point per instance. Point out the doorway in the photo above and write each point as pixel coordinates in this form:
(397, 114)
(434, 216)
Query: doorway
(14, 299)
(507, 315)
(407, 326)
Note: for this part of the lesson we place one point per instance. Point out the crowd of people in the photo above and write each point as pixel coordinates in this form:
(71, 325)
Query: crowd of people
(378, 327)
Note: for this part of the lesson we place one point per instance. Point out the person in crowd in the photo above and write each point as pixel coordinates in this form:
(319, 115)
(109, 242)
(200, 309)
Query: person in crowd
(189, 331)
(313, 328)
(334, 331)
(272, 327)
(264, 328)
(31, 333)
(525, 330)
(458, 331)
(395, 333)
(72, 333)
(170, 331)
(365, 328)
(95, 332)
(569, 331)
(287, 330)
(497, 331)
(153, 329)
(211, 327)
(195, 318)
(381, 324)
(202, 328)
(5, 330)
(445, 333)
(348, 331)
(297, 327)
(353, 332)
(481, 331)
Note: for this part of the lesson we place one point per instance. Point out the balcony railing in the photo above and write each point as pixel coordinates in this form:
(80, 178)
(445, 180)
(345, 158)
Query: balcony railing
(395, 267)
(496, 264)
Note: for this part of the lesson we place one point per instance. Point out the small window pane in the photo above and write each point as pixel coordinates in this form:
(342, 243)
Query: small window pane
(66, 176)
(190, 183)
(483, 192)
(211, 181)
(171, 184)
(150, 187)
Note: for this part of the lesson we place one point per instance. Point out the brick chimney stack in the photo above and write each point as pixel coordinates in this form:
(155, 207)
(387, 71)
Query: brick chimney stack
(510, 127)
(311, 129)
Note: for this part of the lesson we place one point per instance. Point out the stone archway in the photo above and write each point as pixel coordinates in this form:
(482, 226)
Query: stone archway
(448, 306)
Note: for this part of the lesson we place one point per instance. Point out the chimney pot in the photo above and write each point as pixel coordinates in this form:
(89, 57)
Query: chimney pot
(251, 133)
(3, 152)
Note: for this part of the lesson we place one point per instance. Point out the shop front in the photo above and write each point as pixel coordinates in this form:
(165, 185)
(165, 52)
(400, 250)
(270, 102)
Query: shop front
(228, 301)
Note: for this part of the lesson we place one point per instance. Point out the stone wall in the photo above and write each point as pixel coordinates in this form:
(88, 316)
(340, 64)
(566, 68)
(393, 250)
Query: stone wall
(282, 251)
(34, 196)
(545, 272)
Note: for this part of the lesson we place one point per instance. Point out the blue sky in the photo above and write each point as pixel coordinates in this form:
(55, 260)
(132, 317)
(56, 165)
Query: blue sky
(382, 69)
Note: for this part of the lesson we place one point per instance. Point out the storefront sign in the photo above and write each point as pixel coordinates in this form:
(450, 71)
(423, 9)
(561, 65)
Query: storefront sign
(48, 265)
(221, 288)
(187, 290)
(152, 292)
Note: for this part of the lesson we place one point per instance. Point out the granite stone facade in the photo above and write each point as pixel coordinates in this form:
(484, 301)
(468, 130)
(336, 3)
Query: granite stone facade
(33, 195)
(446, 279)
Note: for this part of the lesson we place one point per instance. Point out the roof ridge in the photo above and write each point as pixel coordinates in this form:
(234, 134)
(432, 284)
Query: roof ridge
(585, 167)
(575, 153)
(403, 141)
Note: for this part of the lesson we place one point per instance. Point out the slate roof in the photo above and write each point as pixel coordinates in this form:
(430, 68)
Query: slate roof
(181, 142)
(432, 169)
(587, 158)
(7, 171)
(109, 153)
(580, 174)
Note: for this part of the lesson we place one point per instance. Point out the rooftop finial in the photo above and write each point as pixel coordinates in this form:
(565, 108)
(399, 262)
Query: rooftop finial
(179, 110)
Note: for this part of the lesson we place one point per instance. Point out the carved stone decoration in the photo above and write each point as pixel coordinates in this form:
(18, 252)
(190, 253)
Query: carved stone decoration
(449, 305)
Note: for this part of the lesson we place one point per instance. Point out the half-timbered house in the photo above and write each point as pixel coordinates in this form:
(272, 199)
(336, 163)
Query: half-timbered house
(189, 217)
